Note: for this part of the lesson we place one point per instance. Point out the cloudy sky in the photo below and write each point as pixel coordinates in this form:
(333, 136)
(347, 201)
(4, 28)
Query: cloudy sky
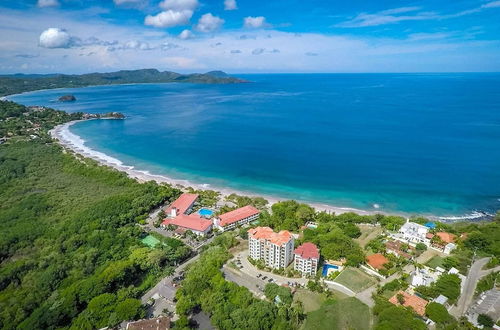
(240, 36)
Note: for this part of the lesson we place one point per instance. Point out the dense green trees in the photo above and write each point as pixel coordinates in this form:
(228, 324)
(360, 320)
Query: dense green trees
(438, 313)
(447, 284)
(229, 305)
(69, 246)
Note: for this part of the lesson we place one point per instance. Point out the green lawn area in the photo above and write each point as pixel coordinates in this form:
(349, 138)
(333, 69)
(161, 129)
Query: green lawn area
(349, 313)
(150, 241)
(355, 279)
(367, 234)
(311, 301)
(436, 261)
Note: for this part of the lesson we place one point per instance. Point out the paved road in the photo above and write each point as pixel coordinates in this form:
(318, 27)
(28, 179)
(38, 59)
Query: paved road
(366, 295)
(473, 276)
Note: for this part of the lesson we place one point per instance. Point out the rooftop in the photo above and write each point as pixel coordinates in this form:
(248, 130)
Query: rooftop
(237, 215)
(377, 260)
(159, 323)
(416, 303)
(307, 251)
(396, 247)
(183, 203)
(192, 222)
(266, 233)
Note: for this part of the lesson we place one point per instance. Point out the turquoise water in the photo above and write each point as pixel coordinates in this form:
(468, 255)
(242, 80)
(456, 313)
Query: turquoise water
(205, 212)
(415, 143)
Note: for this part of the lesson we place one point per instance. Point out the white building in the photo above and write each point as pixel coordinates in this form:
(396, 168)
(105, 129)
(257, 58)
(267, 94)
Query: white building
(306, 259)
(275, 249)
(424, 276)
(236, 218)
(413, 233)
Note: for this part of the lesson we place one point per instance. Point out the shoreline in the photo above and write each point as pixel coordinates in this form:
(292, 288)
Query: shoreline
(76, 144)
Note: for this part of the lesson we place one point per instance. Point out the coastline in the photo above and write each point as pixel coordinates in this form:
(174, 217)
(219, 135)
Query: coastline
(76, 144)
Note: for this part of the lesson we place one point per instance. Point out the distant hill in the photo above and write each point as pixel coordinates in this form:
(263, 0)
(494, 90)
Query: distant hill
(18, 83)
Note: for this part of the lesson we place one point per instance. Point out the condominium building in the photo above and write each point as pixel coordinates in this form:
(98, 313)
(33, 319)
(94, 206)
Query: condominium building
(236, 218)
(306, 259)
(275, 249)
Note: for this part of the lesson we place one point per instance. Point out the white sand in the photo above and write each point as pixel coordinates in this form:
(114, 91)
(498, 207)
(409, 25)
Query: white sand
(77, 145)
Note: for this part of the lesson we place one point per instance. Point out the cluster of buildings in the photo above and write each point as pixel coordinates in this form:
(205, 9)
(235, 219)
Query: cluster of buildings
(276, 250)
(179, 214)
(414, 233)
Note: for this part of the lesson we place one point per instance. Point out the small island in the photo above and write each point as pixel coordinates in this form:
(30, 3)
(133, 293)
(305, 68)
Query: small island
(67, 98)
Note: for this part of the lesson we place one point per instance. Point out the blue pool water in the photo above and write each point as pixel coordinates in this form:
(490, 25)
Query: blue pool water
(326, 268)
(205, 212)
(414, 143)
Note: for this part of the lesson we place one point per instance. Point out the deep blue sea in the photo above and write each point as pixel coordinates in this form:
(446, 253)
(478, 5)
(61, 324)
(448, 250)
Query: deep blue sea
(414, 143)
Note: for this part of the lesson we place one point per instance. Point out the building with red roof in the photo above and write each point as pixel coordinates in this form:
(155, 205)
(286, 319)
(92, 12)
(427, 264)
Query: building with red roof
(408, 300)
(178, 216)
(236, 218)
(275, 249)
(181, 205)
(306, 259)
(377, 261)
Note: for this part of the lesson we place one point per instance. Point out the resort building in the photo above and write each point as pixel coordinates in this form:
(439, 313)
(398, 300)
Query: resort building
(158, 323)
(376, 261)
(408, 300)
(413, 233)
(178, 216)
(306, 259)
(236, 218)
(182, 205)
(275, 249)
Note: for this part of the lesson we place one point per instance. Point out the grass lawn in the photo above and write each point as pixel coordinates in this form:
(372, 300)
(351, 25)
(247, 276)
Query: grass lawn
(311, 301)
(349, 313)
(355, 279)
(435, 261)
(368, 233)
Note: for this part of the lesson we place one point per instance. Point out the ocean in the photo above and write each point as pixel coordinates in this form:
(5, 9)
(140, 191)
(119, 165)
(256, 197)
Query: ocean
(412, 143)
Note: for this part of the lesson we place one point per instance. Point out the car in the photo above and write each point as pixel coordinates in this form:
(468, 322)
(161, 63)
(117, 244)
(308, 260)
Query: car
(258, 276)
(270, 280)
(264, 278)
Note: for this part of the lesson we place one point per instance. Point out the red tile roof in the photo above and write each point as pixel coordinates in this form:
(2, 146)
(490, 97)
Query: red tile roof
(191, 222)
(377, 260)
(396, 247)
(307, 251)
(159, 323)
(183, 203)
(416, 303)
(237, 215)
(266, 233)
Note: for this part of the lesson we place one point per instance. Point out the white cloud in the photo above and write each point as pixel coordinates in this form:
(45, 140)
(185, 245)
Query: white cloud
(257, 51)
(55, 38)
(254, 22)
(186, 34)
(135, 44)
(179, 5)
(493, 4)
(209, 23)
(230, 5)
(47, 3)
(169, 18)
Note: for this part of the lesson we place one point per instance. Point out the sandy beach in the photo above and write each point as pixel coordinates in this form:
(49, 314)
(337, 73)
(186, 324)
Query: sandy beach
(76, 144)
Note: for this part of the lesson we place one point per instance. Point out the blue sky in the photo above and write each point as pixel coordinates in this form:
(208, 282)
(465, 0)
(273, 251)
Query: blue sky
(240, 36)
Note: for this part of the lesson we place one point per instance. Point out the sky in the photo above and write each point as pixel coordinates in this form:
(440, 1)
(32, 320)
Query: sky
(249, 36)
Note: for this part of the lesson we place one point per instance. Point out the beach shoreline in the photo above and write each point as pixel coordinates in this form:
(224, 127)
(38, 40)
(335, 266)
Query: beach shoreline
(76, 144)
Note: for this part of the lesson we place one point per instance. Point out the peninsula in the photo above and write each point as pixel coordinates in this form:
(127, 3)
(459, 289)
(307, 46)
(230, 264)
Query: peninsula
(20, 83)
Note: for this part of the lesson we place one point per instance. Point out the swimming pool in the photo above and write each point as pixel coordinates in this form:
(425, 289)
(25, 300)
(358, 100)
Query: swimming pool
(205, 212)
(326, 269)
